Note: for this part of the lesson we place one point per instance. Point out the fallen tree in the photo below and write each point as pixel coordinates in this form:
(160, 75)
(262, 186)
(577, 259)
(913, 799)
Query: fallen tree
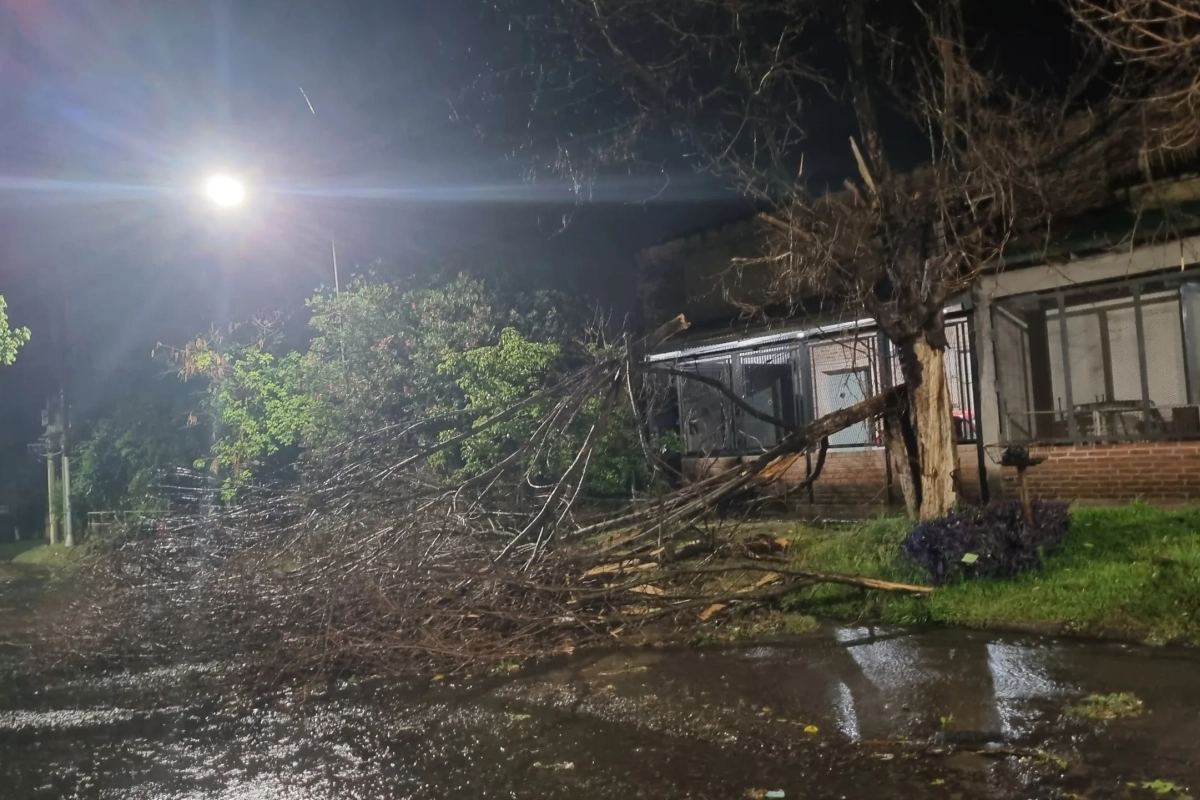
(378, 566)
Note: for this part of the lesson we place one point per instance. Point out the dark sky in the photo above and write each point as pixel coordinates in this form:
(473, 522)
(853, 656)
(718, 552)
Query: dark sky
(111, 112)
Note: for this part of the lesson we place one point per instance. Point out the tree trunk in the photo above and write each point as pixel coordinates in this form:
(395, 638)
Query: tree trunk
(933, 417)
(901, 463)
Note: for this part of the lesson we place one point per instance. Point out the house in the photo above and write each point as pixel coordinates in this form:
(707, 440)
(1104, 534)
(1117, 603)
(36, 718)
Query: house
(1089, 357)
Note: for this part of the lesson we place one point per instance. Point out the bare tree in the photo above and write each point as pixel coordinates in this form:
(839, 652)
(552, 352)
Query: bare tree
(1161, 38)
(745, 84)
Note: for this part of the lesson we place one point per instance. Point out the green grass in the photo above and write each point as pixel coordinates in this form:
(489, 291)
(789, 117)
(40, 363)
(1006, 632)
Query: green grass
(10, 550)
(1108, 706)
(1131, 571)
(54, 556)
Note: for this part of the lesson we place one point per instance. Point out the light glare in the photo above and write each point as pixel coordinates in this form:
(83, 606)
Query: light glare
(225, 190)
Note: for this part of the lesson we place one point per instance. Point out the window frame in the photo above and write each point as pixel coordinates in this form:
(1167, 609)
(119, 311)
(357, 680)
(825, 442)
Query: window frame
(1140, 292)
(798, 350)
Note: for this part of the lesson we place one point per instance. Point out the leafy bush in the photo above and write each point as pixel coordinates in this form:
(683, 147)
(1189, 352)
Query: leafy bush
(992, 541)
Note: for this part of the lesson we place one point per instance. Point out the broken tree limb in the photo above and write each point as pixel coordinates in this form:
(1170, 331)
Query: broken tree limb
(660, 334)
(815, 577)
(694, 500)
(641, 578)
(797, 441)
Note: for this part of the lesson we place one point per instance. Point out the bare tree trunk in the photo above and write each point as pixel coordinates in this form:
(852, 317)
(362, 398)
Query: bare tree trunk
(902, 466)
(933, 414)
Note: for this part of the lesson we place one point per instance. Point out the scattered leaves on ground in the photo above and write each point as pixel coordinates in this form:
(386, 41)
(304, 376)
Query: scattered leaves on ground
(1163, 788)
(1120, 705)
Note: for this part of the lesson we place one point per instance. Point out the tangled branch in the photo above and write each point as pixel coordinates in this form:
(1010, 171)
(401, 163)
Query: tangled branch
(381, 566)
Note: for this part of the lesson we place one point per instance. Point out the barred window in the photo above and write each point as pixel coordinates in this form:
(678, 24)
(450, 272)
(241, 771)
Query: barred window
(706, 413)
(768, 386)
(1104, 363)
(804, 380)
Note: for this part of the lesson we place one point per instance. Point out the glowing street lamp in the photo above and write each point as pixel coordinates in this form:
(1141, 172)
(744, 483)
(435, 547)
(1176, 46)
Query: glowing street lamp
(225, 190)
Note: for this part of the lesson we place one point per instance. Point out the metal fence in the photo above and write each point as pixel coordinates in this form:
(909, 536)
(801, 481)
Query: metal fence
(1115, 362)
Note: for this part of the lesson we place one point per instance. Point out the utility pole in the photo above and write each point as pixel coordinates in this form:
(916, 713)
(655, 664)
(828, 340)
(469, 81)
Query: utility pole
(51, 478)
(64, 423)
(57, 419)
(56, 447)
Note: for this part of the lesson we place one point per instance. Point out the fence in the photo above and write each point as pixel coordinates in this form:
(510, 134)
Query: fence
(102, 522)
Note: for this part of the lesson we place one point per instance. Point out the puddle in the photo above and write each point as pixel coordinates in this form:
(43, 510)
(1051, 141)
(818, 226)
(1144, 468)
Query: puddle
(838, 716)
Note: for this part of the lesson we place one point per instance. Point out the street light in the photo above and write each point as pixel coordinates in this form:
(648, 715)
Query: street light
(225, 190)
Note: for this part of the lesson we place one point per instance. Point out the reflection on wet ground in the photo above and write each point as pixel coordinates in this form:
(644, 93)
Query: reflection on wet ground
(854, 713)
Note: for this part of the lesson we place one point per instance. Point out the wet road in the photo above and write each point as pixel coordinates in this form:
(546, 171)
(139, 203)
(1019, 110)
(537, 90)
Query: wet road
(849, 713)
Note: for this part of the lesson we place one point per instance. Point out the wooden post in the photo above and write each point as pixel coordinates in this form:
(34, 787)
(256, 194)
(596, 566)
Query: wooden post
(1026, 505)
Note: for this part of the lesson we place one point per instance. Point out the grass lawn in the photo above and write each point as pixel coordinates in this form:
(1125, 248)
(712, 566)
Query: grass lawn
(10, 550)
(39, 554)
(1131, 571)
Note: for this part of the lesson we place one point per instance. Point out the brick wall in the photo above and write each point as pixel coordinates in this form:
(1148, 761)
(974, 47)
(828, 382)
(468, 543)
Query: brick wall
(852, 484)
(1162, 472)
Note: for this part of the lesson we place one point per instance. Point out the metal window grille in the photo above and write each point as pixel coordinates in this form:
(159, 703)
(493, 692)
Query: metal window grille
(806, 380)
(705, 414)
(846, 371)
(769, 385)
(1113, 362)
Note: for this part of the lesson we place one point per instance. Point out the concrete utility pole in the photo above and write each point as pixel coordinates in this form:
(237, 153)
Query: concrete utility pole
(56, 447)
(68, 533)
(51, 483)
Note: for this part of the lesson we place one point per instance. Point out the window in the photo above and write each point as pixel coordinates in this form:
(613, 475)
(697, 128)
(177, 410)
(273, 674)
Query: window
(801, 381)
(844, 373)
(1096, 364)
(705, 413)
(768, 386)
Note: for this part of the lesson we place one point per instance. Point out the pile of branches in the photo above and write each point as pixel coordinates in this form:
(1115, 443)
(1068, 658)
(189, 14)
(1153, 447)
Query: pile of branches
(377, 566)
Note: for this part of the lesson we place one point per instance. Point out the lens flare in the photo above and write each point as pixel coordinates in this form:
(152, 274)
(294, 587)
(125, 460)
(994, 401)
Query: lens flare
(225, 190)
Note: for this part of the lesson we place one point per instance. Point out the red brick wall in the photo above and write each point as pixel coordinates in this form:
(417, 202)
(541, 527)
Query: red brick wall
(968, 469)
(1163, 472)
(853, 481)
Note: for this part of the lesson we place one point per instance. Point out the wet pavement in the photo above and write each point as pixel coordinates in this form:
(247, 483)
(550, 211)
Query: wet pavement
(847, 713)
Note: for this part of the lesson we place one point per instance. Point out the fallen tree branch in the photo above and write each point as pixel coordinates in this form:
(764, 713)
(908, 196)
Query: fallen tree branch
(724, 390)
(726, 567)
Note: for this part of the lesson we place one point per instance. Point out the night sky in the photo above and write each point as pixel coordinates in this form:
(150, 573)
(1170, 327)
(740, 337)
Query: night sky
(111, 112)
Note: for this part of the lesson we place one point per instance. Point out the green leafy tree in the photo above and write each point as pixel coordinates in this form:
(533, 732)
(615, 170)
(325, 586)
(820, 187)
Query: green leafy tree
(493, 378)
(496, 377)
(11, 339)
(375, 360)
(389, 355)
(262, 409)
(123, 458)
(257, 401)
